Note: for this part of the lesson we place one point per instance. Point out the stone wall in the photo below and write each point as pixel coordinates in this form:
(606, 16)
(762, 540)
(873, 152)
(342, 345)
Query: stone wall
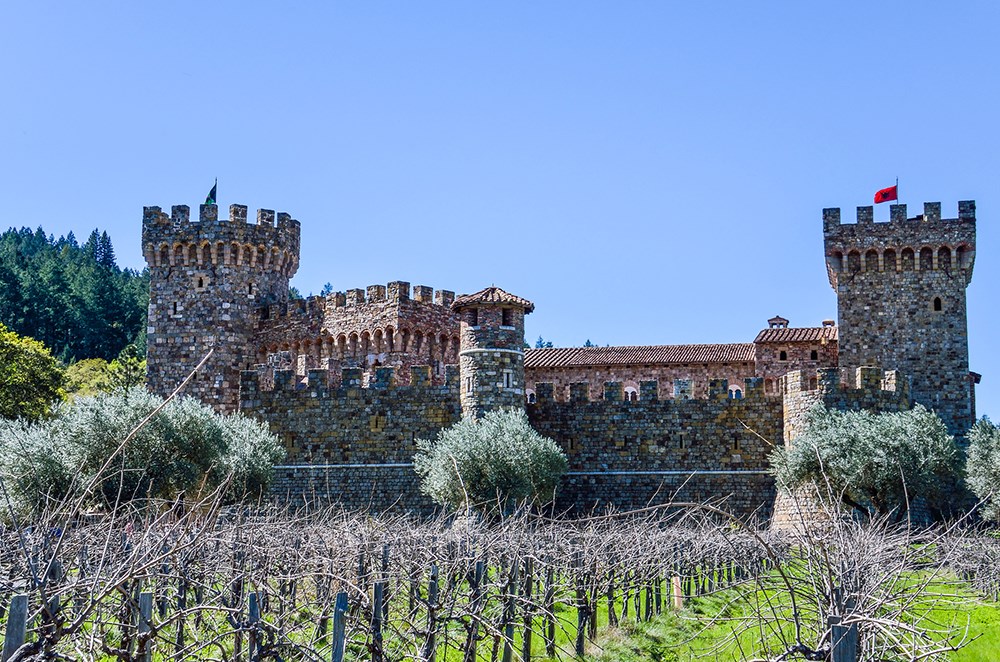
(630, 376)
(629, 454)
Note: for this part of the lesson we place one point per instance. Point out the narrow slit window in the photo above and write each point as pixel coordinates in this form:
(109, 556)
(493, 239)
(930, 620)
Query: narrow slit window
(937, 304)
(814, 355)
(507, 317)
(175, 307)
(474, 317)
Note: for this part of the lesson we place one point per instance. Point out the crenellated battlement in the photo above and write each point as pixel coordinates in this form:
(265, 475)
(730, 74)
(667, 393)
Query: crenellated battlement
(649, 391)
(923, 243)
(270, 244)
(867, 387)
(336, 383)
(394, 292)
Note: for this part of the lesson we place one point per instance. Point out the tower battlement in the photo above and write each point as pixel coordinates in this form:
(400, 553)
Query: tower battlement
(394, 292)
(272, 243)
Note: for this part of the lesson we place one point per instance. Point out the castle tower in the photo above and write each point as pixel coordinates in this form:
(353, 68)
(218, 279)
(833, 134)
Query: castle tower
(901, 300)
(206, 280)
(491, 352)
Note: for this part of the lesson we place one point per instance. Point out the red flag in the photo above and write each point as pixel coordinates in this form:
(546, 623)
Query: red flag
(886, 194)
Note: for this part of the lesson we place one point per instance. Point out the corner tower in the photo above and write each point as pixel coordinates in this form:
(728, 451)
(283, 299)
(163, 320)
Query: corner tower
(491, 351)
(207, 278)
(901, 300)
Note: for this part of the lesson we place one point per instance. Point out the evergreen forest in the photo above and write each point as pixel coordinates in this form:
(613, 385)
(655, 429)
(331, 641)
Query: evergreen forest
(73, 298)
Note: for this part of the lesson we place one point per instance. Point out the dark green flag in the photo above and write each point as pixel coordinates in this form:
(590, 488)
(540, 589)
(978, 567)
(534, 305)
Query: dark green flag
(210, 200)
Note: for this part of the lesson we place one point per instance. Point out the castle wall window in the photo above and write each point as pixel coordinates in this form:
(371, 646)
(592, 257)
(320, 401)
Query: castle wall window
(926, 259)
(250, 288)
(532, 398)
(468, 385)
(631, 394)
(944, 258)
(783, 355)
(506, 317)
(508, 379)
(889, 260)
(735, 393)
(473, 317)
(908, 259)
(175, 307)
(814, 355)
(937, 304)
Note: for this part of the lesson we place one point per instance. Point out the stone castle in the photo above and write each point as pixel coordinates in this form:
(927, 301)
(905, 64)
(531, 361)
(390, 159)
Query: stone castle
(351, 380)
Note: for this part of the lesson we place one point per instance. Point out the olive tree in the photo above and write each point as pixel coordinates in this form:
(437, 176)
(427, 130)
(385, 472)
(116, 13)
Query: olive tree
(496, 461)
(185, 449)
(983, 465)
(876, 462)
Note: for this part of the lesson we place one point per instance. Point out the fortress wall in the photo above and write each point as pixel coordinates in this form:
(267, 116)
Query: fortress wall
(633, 454)
(700, 375)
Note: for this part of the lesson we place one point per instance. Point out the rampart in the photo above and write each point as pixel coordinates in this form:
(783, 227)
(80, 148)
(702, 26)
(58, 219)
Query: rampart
(350, 444)
(177, 241)
(630, 454)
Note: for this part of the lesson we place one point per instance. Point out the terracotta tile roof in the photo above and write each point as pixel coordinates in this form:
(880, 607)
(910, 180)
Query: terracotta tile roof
(492, 295)
(804, 334)
(568, 357)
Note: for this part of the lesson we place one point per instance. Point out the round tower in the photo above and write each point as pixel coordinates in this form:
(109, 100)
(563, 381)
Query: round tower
(901, 300)
(206, 281)
(491, 351)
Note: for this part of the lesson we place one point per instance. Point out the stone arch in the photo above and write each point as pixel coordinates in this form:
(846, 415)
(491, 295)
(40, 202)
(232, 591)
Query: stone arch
(177, 256)
(837, 261)
(163, 256)
(341, 347)
(735, 392)
(192, 255)
(444, 343)
(631, 394)
(235, 254)
(854, 261)
(390, 339)
(944, 258)
(404, 340)
(529, 395)
(366, 344)
(377, 341)
(418, 341)
(871, 260)
(907, 260)
(205, 254)
(352, 343)
(220, 253)
(926, 258)
(962, 254)
(889, 260)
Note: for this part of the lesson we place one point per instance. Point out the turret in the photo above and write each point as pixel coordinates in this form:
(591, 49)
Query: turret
(491, 354)
(206, 279)
(901, 299)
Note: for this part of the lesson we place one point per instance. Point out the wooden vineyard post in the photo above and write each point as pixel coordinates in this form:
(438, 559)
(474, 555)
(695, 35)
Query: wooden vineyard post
(253, 622)
(339, 626)
(430, 646)
(529, 615)
(475, 601)
(658, 593)
(676, 593)
(550, 611)
(378, 596)
(509, 614)
(17, 626)
(581, 606)
(145, 627)
(844, 640)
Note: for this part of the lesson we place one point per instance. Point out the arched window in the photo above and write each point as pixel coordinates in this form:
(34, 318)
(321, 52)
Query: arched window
(854, 261)
(944, 258)
(871, 260)
(962, 256)
(530, 394)
(889, 260)
(937, 305)
(735, 393)
(631, 394)
(926, 259)
(837, 261)
(907, 261)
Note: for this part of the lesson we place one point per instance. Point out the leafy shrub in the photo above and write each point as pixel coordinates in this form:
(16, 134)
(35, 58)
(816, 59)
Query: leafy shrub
(185, 449)
(877, 462)
(498, 460)
(30, 377)
(983, 465)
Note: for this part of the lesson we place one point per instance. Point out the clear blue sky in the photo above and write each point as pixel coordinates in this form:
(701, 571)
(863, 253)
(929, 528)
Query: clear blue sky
(645, 172)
